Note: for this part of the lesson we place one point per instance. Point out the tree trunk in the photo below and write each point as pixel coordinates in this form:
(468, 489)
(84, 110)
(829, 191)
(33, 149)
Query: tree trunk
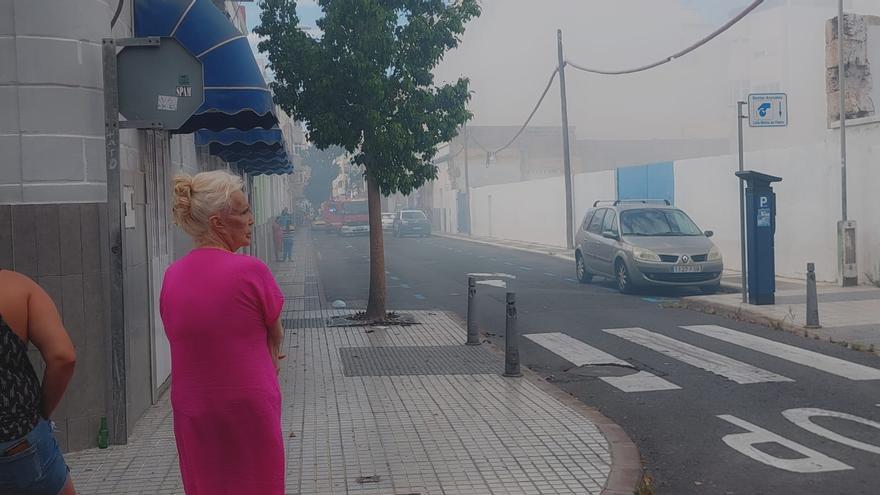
(376, 303)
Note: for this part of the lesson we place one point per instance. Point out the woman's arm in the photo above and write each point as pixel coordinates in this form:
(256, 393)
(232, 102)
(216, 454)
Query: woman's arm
(47, 333)
(275, 339)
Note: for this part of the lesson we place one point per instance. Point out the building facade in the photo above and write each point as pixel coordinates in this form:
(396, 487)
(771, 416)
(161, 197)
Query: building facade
(54, 211)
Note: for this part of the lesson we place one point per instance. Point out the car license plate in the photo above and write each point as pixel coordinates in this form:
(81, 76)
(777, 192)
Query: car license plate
(687, 269)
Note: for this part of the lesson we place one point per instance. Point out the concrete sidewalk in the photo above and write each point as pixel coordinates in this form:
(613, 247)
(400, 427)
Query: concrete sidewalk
(396, 410)
(848, 315)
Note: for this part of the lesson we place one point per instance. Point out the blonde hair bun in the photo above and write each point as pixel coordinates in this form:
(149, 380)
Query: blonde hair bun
(197, 198)
(182, 201)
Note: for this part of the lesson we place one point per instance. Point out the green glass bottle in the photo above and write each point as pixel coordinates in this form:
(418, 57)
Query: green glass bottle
(103, 434)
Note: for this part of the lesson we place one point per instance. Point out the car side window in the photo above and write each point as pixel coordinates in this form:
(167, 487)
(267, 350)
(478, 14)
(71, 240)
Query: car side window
(596, 223)
(610, 225)
(587, 219)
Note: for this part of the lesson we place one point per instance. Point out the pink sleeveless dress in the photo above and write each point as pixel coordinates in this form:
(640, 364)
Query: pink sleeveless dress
(216, 307)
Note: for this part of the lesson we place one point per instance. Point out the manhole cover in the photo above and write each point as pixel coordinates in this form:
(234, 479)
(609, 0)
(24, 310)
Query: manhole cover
(419, 360)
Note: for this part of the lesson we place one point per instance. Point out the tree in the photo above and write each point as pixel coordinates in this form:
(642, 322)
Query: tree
(366, 85)
(324, 170)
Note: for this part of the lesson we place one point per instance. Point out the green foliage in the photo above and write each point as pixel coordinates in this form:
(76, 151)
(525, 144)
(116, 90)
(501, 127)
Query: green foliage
(324, 170)
(366, 84)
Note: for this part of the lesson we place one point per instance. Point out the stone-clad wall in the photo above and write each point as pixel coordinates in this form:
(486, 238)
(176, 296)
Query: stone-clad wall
(63, 248)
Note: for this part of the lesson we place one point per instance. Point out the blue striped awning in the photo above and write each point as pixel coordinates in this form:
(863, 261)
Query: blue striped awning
(258, 151)
(236, 95)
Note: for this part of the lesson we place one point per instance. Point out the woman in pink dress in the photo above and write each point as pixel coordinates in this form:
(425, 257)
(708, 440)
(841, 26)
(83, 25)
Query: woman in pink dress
(221, 313)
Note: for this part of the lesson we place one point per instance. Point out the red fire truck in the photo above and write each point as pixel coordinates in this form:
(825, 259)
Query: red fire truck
(346, 216)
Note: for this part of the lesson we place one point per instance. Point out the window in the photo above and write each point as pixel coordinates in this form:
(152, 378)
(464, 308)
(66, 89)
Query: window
(355, 208)
(596, 222)
(413, 215)
(610, 225)
(587, 217)
(657, 222)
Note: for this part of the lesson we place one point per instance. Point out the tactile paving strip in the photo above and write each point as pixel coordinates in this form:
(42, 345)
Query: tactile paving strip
(419, 360)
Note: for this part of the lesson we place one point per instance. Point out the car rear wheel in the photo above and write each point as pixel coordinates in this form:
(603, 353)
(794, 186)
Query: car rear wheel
(583, 276)
(624, 282)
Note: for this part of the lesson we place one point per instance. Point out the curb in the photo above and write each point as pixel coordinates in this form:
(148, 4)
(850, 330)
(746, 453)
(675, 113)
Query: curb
(744, 314)
(549, 251)
(626, 464)
(741, 313)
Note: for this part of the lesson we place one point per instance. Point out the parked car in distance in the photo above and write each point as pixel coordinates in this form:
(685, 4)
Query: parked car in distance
(411, 222)
(387, 221)
(643, 243)
(319, 224)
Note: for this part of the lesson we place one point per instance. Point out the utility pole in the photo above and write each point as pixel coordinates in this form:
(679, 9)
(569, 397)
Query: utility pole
(569, 217)
(742, 207)
(841, 89)
(467, 182)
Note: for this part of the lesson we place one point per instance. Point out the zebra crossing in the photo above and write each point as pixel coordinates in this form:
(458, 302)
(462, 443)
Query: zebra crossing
(580, 353)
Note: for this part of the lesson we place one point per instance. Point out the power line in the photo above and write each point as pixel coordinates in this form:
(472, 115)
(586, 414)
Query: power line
(672, 57)
(658, 63)
(529, 119)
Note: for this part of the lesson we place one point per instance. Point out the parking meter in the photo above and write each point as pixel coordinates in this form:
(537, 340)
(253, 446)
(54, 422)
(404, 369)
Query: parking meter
(760, 232)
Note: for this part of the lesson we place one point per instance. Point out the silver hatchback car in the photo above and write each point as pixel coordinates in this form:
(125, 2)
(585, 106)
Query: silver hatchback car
(646, 243)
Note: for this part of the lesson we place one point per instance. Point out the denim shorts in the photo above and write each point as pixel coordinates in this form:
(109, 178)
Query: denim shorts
(37, 470)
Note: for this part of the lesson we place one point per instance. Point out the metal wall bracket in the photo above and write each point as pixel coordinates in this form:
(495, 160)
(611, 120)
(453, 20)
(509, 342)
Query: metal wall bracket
(148, 41)
(141, 124)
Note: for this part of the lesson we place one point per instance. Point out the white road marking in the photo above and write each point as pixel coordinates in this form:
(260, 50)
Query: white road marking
(712, 362)
(501, 284)
(639, 382)
(573, 350)
(581, 354)
(802, 417)
(787, 352)
(744, 443)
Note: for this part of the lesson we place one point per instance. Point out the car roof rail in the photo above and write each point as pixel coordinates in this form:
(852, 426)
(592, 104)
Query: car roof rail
(609, 201)
(643, 201)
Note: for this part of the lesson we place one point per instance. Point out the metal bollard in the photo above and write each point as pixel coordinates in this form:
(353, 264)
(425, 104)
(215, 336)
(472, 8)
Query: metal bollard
(473, 338)
(511, 339)
(812, 298)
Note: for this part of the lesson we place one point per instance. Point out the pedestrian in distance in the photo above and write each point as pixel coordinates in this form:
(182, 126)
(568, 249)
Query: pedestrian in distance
(288, 243)
(221, 312)
(30, 459)
(284, 219)
(277, 238)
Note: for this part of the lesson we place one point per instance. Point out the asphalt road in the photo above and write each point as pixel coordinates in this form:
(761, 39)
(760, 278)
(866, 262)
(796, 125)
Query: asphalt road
(686, 446)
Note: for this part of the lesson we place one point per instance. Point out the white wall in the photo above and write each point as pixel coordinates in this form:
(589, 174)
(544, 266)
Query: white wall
(531, 211)
(589, 188)
(808, 201)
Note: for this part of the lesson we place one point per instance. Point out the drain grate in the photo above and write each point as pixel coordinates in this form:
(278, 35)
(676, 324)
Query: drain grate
(291, 323)
(418, 360)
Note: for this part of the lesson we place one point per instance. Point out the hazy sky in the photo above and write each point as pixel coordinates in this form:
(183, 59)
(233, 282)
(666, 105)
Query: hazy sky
(510, 51)
(716, 11)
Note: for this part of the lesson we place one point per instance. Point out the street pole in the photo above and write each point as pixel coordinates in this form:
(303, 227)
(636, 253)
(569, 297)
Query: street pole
(841, 88)
(467, 181)
(116, 237)
(569, 217)
(742, 206)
